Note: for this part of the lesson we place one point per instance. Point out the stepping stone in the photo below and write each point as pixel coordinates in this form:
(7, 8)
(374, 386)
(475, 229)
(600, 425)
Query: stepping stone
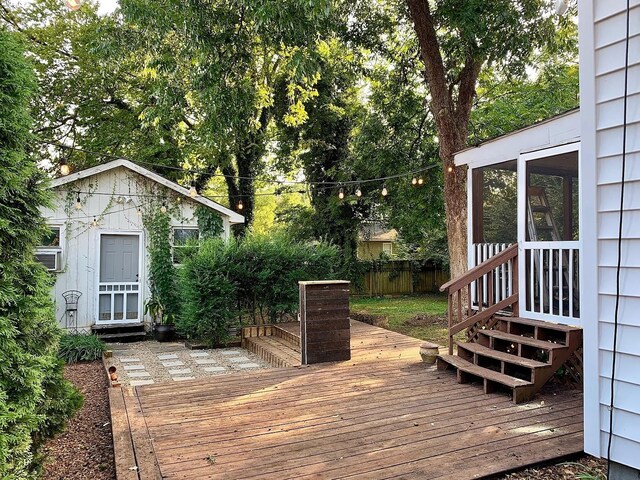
(230, 352)
(177, 363)
(129, 360)
(167, 356)
(183, 371)
(134, 367)
(205, 361)
(138, 374)
(199, 354)
(238, 359)
(179, 379)
(215, 369)
(137, 383)
(248, 365)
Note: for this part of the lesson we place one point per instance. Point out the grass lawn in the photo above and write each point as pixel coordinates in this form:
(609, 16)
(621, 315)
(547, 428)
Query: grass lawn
(423, 316)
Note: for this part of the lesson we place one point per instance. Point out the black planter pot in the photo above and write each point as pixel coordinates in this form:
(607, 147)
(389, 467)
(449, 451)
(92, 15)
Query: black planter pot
(164, 333)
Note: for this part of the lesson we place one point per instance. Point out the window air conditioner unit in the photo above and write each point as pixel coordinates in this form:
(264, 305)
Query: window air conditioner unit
(51, 260)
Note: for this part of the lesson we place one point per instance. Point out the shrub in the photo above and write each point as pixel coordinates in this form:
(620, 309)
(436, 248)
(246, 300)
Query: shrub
(35, 400)
(256, 277)
(76, 348)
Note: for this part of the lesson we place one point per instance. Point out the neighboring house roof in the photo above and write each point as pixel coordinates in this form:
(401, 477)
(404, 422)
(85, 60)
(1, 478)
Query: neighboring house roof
(376, 233)
(233, 216)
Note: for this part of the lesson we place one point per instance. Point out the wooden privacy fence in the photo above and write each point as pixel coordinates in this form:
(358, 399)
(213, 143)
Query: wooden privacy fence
(402, 277)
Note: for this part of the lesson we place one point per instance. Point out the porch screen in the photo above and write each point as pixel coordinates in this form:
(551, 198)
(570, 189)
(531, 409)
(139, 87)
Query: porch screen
(495, 200)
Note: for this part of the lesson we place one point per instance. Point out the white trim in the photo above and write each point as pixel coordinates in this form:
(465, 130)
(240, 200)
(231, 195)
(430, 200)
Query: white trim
(551, 151)
(588, 231)
(470, 209)
(141, 275)
(57, 250)
(234, 218)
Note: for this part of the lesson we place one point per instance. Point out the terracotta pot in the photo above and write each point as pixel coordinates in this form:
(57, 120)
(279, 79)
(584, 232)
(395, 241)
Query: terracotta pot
(164, 333)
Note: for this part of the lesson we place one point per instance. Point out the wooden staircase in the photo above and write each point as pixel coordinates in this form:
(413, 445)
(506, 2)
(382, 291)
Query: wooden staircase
(278, 345)
(502, 349)
(124, 332)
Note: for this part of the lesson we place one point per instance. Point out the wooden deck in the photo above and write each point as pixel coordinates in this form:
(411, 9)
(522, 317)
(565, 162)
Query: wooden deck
(381, 415)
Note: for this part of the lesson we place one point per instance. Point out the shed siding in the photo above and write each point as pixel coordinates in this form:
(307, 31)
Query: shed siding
(80, 240)
(602, 56)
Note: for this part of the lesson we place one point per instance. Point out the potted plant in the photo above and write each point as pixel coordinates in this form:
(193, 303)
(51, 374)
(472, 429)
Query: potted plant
(163, 326)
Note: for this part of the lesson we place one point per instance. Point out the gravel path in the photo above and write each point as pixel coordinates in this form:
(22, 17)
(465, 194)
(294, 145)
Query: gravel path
(85, 449)
(143, 363)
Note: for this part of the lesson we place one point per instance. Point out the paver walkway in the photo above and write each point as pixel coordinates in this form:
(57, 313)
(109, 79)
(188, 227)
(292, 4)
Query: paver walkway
(145, 363)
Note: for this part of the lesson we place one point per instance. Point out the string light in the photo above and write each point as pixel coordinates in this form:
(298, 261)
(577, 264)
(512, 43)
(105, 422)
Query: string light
(358, 192)
(450, 169)
(384, 191)
(139, 211)
(72, 5)
(95, 222)
(163, 208)
(420, 181)
(192, 191)
(65, 169)
(341, 194)
(240, 205)
(78, 203)
(414, 181)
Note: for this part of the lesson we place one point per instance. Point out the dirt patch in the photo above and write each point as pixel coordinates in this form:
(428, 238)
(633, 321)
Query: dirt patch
(424, 320)
(590, 467)
(376, 320)
(85, 449)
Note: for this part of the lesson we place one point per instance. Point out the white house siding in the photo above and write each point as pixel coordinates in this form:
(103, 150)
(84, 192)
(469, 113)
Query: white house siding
(602, 55)
(80, 239)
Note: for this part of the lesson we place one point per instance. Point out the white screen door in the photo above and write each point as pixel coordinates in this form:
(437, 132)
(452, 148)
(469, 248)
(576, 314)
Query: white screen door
(119, 283)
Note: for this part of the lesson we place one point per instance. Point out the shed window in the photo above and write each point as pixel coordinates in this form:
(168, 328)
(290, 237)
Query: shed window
(49, 252)
(387, 248)
(184, 243)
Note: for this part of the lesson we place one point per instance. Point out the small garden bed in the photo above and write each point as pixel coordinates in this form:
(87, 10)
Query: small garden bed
(85, 449)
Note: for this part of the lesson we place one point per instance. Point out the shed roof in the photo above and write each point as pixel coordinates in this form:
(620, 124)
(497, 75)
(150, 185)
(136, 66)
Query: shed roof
(234, 217)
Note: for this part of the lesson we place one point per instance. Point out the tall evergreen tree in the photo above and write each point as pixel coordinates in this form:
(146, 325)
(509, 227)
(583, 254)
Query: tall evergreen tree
(34, 399)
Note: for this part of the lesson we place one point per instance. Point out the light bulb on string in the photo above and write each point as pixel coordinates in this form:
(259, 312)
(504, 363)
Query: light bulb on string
(163, 208)
(414, 181)
(358, 192)
(240, 205)
(384, 191)
(65, 169)
(78, 203)
(420, 181)
(139, 211)
(72, 5)
(341, 194)
(95, 222)
(192, 191)
(449, 169)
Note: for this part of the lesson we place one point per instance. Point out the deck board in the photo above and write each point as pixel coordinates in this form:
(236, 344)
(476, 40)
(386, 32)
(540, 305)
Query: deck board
(383, 414)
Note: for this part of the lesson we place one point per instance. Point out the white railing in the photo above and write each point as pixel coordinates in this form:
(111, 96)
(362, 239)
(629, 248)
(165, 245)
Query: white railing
(502, 275)
(552, 279)
(118, 301)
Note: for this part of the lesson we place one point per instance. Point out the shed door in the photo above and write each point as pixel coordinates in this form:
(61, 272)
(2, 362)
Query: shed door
(119, 283)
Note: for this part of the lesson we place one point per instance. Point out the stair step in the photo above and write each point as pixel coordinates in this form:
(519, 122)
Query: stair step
(502, 356)
(539, 323)
(485, 373)
(110, 326)
(126, 336)
(275, 350)
(518, 339)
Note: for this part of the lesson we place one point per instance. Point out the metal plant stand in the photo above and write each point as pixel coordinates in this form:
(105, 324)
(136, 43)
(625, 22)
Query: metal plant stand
(71, 298)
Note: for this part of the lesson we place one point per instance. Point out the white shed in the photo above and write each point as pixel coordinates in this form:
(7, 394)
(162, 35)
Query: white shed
(604, 70)
(98, 244)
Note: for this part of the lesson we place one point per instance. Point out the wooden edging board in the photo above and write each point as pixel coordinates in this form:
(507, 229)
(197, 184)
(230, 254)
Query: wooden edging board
(133, 452)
